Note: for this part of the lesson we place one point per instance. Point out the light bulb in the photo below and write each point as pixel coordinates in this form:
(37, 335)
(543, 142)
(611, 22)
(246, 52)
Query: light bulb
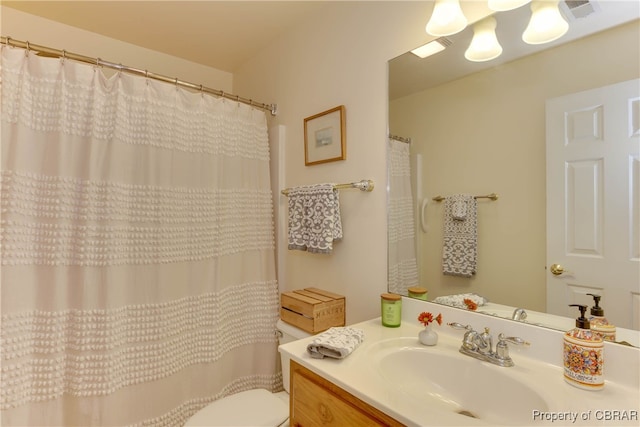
(447, 18)
(546, 24)
(484, 45)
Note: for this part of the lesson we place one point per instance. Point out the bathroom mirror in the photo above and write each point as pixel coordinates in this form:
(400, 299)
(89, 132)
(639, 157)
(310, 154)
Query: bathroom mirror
(479, 128)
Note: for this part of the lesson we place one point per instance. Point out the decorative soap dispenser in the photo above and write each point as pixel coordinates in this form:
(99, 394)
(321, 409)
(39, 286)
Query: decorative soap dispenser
(599, 323)
(583, 355)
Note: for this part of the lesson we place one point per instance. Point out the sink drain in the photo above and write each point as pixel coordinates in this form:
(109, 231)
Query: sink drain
(466, 413)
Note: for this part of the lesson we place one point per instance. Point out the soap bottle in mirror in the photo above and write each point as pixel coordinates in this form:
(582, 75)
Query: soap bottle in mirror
(599, 323)
(583, 354)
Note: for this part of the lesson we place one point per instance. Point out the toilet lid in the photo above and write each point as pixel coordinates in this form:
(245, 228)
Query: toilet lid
(257, 407)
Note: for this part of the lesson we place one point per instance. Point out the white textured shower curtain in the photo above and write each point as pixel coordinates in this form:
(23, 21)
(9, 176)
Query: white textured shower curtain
(138, 276)
(403, 270)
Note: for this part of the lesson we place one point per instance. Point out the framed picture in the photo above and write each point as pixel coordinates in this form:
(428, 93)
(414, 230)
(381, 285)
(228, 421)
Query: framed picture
(324, 137)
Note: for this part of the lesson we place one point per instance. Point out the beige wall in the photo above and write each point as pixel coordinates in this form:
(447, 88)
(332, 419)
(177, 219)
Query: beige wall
(26, 27)
(340, 58)
(486, 133)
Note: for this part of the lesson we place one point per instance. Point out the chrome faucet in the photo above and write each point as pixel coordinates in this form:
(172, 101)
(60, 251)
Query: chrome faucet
(480, 345)
(519, 314)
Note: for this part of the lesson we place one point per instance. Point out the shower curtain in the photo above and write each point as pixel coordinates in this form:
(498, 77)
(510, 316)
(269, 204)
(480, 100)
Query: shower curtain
(138, 275)
(403, 270)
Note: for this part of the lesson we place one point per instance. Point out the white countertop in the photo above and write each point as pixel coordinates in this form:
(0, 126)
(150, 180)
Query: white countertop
(358, 374)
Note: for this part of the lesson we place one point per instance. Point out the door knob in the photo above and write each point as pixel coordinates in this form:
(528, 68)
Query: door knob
(556, 269)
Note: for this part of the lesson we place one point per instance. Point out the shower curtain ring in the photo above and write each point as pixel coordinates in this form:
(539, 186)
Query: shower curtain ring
(28, 46)
(9, 41)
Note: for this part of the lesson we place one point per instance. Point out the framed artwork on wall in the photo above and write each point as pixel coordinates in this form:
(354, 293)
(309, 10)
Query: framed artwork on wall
(325, 137)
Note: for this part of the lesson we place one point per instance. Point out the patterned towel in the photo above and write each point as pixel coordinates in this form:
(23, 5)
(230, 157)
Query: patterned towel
(336, 342)
(314, 218)
(460, 248)
(458, 300)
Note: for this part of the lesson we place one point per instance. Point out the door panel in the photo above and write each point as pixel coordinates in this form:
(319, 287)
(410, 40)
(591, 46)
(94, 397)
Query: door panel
(593, 192)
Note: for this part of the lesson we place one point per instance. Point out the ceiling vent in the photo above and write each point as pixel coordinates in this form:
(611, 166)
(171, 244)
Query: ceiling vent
(578, 9)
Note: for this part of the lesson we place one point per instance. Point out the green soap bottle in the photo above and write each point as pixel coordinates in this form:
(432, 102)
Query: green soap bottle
(583, 355)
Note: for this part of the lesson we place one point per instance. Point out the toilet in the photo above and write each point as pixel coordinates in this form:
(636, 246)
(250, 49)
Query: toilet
(257, 407)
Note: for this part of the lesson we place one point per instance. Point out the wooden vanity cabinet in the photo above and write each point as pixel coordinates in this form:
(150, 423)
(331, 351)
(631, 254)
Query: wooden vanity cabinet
(314, 401)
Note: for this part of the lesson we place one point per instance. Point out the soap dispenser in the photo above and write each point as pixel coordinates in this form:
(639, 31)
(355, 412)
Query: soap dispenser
(599, 323)
(583, 354)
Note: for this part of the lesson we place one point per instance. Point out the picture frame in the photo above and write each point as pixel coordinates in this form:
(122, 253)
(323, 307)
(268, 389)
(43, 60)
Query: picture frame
(325, 137)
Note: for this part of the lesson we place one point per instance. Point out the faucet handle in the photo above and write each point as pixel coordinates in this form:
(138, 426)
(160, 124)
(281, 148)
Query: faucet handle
(513, 340)
(456, 325)
(502, 349)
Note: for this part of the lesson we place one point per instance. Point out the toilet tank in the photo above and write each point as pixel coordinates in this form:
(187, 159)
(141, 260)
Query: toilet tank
(288, 333)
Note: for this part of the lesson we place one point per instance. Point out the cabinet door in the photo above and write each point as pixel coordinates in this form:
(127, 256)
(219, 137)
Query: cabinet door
(318, 402)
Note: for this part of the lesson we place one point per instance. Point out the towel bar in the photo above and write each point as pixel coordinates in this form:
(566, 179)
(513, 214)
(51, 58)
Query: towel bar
(492, 196)
(364, 185)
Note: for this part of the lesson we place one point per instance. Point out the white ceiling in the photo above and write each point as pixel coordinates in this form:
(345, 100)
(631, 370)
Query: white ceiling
(219, 34)
(226, 34)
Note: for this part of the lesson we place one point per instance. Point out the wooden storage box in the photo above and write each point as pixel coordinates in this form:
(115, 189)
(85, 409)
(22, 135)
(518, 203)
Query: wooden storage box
(312, 310)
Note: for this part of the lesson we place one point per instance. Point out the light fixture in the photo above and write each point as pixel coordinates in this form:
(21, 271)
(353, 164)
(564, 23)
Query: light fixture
(504, 5)
(546, 24)
(484, 45)
(447, 18)
(431, 48)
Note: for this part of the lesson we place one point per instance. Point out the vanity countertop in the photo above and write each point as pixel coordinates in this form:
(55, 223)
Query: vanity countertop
(359, 375)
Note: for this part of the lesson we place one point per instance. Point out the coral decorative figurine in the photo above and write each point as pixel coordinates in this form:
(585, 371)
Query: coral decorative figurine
(428, 336)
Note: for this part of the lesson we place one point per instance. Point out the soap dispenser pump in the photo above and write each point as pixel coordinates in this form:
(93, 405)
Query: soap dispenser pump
(583, 354)
(599, 323)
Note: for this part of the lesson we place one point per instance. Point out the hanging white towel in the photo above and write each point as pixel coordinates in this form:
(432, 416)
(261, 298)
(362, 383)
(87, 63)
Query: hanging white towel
(336, 342)
(460, 247)
(314, 218)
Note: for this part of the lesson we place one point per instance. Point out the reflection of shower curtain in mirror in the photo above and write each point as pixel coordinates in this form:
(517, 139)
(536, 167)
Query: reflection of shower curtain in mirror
(138, 279)
(403, 270)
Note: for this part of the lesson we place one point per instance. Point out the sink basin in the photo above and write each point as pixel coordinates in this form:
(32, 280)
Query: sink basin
(457, 383)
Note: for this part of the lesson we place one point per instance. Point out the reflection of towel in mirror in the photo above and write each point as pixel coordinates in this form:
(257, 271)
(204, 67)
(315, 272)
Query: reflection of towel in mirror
(314, 218)
(460, 250)
(336, 342)
(458, 300)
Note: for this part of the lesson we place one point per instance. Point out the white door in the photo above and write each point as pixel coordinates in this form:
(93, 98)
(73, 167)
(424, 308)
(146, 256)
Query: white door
(593, 192)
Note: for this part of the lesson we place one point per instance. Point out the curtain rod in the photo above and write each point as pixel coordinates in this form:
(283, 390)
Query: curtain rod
(400, 138)
(57, 53)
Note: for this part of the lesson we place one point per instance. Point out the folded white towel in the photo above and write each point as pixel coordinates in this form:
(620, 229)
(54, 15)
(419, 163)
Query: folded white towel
(314, 218)
(458, 300)
(336, 342)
